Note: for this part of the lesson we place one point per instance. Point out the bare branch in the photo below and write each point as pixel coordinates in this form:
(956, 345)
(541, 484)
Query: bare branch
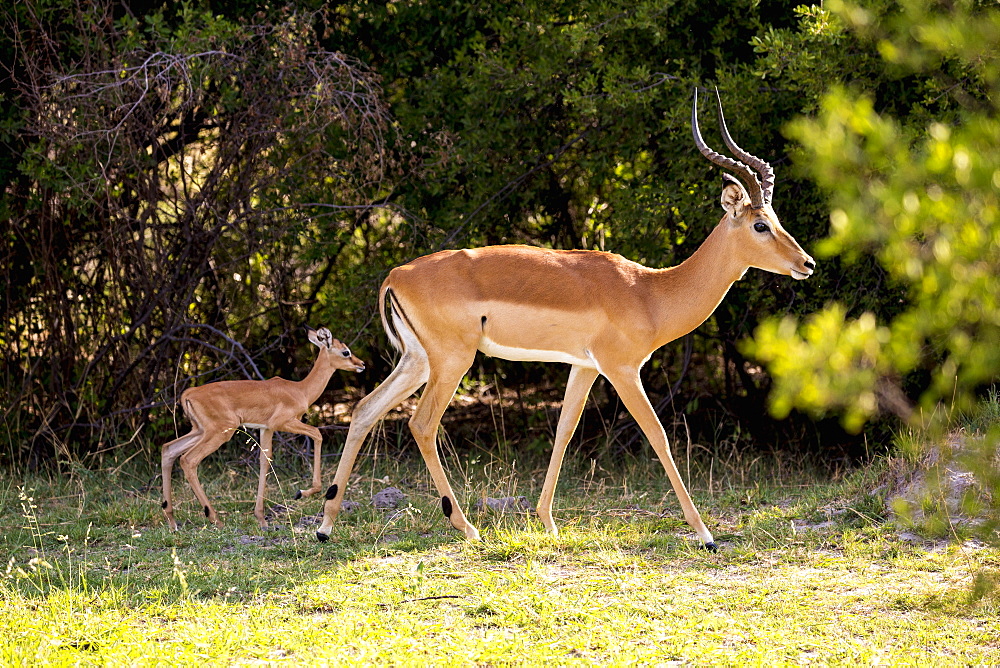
(179, 191)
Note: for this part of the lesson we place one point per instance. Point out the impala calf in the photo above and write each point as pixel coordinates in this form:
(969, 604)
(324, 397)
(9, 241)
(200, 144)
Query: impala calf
(598, 312)
(218, 409)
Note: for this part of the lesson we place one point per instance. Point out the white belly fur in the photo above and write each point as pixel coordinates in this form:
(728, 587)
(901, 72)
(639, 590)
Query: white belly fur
(494, 349)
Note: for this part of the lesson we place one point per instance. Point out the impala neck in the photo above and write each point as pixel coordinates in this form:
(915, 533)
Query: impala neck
(686, 295)
(314, 383)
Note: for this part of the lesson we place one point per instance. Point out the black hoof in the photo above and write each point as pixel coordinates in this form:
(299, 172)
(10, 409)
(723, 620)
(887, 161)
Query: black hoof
(711, 547)
(298, 495)
(322, 537)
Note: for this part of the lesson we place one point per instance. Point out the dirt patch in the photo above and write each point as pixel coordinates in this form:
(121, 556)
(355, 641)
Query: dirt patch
(937, 484)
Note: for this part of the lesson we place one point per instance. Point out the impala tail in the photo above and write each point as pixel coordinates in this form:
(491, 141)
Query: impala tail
(396, 324)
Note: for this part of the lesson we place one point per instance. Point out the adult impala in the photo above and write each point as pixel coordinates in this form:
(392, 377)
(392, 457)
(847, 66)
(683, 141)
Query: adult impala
(216, 410)
(596, 311)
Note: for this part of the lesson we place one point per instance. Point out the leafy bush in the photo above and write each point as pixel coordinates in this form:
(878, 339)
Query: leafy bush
(923, 199)
(916, 186)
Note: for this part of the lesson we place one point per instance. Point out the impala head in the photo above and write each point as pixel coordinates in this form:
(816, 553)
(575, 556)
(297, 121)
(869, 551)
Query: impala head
(758, 236)
(338, 354)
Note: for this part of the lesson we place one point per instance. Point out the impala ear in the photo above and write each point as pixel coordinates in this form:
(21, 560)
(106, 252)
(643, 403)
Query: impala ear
(734, 196)
(325, 337)
(314, 337)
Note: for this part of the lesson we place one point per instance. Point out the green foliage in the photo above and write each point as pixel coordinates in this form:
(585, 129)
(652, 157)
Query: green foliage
(913, 182)
(922, 198)
(166, 192)
(567, 124)
(197, 226)
(193, 228)
(847, 351)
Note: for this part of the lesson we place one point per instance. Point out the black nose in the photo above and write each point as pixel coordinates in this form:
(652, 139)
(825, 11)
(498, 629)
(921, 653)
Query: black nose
(809, 265)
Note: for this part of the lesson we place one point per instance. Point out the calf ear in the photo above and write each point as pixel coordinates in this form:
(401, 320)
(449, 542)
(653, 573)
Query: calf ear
(314, 337)
(325, 337)
(734, 196)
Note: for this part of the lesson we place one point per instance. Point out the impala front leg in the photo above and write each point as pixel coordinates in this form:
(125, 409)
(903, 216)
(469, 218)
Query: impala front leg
(299, 427)
(266, 451)
(629, 387)
(317, 478)
(581, 379)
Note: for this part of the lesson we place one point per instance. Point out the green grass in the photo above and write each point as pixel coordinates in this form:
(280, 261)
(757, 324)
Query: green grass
(808, 573)
(985, 415)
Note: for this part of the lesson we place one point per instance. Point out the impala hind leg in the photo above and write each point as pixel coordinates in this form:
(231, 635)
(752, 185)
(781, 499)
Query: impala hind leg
(191, 459)
(171, 451)
(629, 388)
(424, 424)
(410, 373)
(581, 379)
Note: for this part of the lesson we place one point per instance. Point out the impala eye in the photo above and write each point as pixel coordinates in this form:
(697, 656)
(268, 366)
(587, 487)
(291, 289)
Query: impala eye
(346, 353)
(760, 227)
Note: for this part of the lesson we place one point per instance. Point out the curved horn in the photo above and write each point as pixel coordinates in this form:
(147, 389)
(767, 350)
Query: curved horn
(756, 194)
(765, 170)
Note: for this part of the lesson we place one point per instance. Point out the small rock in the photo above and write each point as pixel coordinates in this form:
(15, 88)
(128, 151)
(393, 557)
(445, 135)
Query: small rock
(390, 497)
(507, 504)
(349, 506)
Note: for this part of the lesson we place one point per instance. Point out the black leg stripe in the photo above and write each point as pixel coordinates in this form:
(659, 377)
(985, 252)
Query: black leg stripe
(164, 505)
(206, 511)
(331, 493)
(446, 506)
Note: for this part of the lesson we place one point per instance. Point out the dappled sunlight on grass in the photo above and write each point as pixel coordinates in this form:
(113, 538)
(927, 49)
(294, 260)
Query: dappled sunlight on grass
(807, 573)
